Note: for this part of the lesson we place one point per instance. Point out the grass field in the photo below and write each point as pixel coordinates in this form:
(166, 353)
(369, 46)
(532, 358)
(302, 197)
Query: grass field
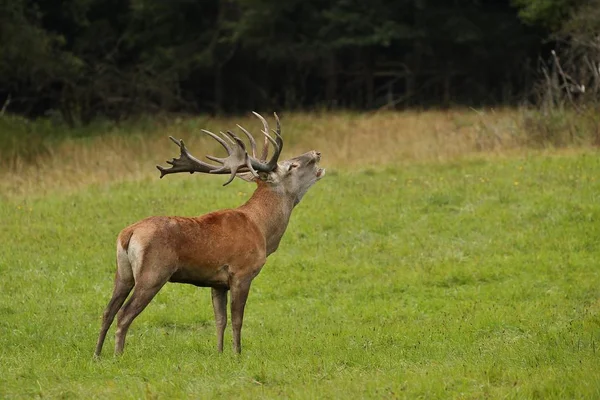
(454, 276)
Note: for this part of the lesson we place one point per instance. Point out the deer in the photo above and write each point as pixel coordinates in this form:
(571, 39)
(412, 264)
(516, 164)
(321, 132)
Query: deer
(224, 249)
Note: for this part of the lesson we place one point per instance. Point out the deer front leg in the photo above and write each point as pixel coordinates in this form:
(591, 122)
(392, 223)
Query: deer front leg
(239, 295)
(219, 301)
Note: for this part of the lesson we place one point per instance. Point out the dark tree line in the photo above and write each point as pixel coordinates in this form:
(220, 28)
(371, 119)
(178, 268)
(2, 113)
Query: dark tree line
(115, 58)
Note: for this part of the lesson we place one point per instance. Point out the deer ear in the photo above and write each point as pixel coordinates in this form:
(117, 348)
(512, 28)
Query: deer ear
(246, 176)
(265, 176)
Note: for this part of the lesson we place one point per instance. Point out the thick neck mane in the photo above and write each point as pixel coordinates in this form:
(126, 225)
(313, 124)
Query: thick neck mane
(270, 209)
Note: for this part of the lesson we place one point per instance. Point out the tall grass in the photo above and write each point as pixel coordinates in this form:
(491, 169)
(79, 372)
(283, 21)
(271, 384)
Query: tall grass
(40, 156)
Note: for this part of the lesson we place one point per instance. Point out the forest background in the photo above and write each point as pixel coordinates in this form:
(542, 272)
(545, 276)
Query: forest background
(77, 61)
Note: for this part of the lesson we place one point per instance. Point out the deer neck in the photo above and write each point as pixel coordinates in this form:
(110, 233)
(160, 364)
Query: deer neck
(270, 208)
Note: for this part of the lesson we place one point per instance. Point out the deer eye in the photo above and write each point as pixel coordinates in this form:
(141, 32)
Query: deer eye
(292, 166)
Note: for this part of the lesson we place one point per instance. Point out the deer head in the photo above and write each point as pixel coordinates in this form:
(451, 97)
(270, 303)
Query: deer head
(292, 177)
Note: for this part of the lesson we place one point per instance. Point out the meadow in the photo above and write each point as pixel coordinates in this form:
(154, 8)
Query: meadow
(440, 257)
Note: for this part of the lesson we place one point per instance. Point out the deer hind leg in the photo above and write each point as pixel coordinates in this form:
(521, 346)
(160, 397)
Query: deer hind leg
(143, 293)
(219, 301)
(151, 269)
(239, 294)
(122, 288)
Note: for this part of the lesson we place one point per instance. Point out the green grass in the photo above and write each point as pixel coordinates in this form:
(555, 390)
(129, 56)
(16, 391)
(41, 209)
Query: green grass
(472, 279)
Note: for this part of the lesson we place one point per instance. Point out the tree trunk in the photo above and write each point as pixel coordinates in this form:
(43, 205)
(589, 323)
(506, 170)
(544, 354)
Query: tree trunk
(446, 87)
(332, 81)
(218, 90)
(66, 106)
(368, 76)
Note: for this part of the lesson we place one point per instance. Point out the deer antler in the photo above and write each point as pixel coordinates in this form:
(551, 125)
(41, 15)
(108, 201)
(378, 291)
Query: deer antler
(238, 159)
(278, 144)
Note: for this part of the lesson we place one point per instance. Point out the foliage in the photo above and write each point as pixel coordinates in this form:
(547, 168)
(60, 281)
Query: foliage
(87, 59)
(459, 279)
(569, 77)
(551, 13)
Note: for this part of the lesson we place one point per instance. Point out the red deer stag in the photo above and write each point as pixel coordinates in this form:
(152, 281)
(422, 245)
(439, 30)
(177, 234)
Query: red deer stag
(223, 249)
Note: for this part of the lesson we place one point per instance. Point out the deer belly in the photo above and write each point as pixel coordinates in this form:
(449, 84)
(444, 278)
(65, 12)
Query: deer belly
(205, 277)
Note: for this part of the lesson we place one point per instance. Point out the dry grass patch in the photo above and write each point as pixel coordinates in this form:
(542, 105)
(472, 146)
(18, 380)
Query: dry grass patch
(346, 140)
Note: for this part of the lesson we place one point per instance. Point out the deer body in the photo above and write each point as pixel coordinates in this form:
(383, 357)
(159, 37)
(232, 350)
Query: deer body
(200, 250)
(224, 250)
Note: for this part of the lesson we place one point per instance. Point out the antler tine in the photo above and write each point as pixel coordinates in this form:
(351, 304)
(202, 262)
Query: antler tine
(218, 139)
(234, 140)
(227, 137)
(238, 160)
(237, 156)
(279, 139)
(278, 143)
(229, 149)
(265, 149)
(242, 146)
(185, 163)
(250, 138)
(278, 133)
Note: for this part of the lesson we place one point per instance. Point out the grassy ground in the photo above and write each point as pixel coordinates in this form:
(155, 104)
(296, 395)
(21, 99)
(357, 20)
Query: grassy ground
(449, 278)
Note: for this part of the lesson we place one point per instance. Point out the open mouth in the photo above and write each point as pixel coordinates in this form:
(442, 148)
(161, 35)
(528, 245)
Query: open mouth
(320, 171)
